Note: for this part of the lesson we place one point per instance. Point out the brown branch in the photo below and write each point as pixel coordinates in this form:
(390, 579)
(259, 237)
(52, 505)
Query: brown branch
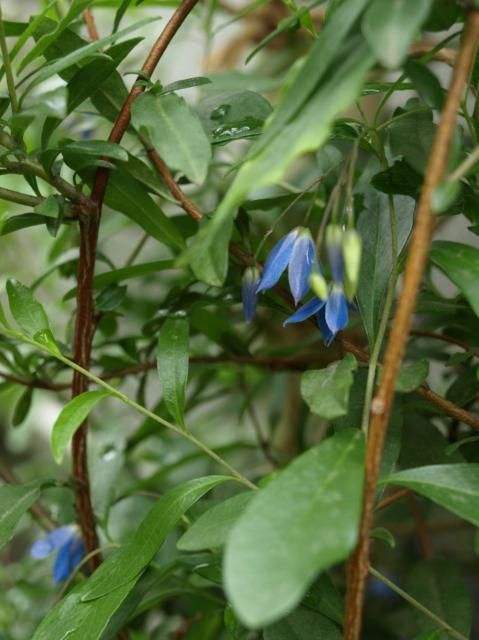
(418, 49)
(393, 498)
(422, 530)
(90, 25)
(415, 265)
(444, 338)
(89, 224)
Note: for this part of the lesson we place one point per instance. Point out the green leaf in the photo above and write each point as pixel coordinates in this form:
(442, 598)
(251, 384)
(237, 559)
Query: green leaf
(308, 130)
(232, 116)
(269, 560)
(212, 528)
(426, 82)
(374, 226)
(76, 7)
(79, 55)
(380, 533)
(412, 376)
(438, 585)
(187, 83)
(400, 179)
(460, 263)
(303, 624)
(172, 362)
(110, 298)
(127, 195)
(411, 137)
(96, 149)
(326, 391)
(86, 610)
(445, 194)
(22, 407)
(29, 314)
(453, 486)
(71, 417)
(15, 499)
(390, 27)
(126, 273)
(175, 132)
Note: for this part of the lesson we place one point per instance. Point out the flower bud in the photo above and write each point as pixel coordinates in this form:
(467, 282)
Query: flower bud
(334, 236)
(251, 278)
(319, 285)
(352, 247)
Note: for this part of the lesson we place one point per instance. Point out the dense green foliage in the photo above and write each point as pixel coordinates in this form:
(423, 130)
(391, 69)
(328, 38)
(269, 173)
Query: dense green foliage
(277, 147)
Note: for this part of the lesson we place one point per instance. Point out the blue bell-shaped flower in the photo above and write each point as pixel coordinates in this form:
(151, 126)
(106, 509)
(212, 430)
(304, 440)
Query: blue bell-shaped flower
(295, 251)
(70, 549)
(251, 278)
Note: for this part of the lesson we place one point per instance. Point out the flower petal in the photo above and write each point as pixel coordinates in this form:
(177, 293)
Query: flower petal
(277, 261)
(67, 559)
(301, 265)
(52, 541)
(306, 311)
(336, 310)
(328, 335)
(248, 292)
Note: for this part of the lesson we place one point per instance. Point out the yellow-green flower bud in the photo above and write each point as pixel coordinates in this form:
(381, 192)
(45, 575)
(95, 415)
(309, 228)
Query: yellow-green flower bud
(319, 285)
(352, 247)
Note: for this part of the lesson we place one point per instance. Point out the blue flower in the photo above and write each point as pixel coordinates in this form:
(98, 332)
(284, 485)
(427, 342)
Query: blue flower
(295, 251)
(331, 314)
(70, 551)
(334, 245)
(249, 295)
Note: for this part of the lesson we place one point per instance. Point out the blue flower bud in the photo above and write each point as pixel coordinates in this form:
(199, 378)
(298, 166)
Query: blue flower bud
(301, 264)
(249, 295)
(277, 261)
(334, 246)
(336, 313)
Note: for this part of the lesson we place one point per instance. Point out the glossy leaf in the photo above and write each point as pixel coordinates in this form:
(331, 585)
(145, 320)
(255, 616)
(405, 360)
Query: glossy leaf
(15, 500)
(29, 314)
(269, 559)
(460, 263)
(453, 486)
(70, 418)
(176, 133)
(86, 611)
(390, 27)
(22, 407)
(212, 528)
(326, 391)
(172, 362)
(412, 376)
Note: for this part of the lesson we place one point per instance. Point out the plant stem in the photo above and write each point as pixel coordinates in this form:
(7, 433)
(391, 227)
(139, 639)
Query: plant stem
(465, 166)
(7, 66)
(417, 605)
(19, 198)
(382, 404)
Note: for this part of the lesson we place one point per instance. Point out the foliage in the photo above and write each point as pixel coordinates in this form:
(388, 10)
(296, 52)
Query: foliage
(210, 232)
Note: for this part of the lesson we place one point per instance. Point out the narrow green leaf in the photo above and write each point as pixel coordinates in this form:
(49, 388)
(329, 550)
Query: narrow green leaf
(269, 559)
(390, 27)
(187, 83)
(127, 195)
(22, 407)
(96, 148)
(172, 361)
(460, 263)
(412, 376)
(211, 530)
(380, 533)
(176, 133)
(71, 417)
(78, 55)
(15, 499)
(326, 391)
(86, 611)
(453, 486)
(22, 221)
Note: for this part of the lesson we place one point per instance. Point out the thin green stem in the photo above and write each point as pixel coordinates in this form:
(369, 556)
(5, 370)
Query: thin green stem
(376, 351)
(19, 198)
(417, 605)
(131, 403)
(465, 166)
(136, 250)
(7, 66)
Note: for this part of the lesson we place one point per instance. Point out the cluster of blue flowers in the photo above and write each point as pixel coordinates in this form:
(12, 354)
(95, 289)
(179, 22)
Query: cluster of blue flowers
(68, 544)
(296, 252)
